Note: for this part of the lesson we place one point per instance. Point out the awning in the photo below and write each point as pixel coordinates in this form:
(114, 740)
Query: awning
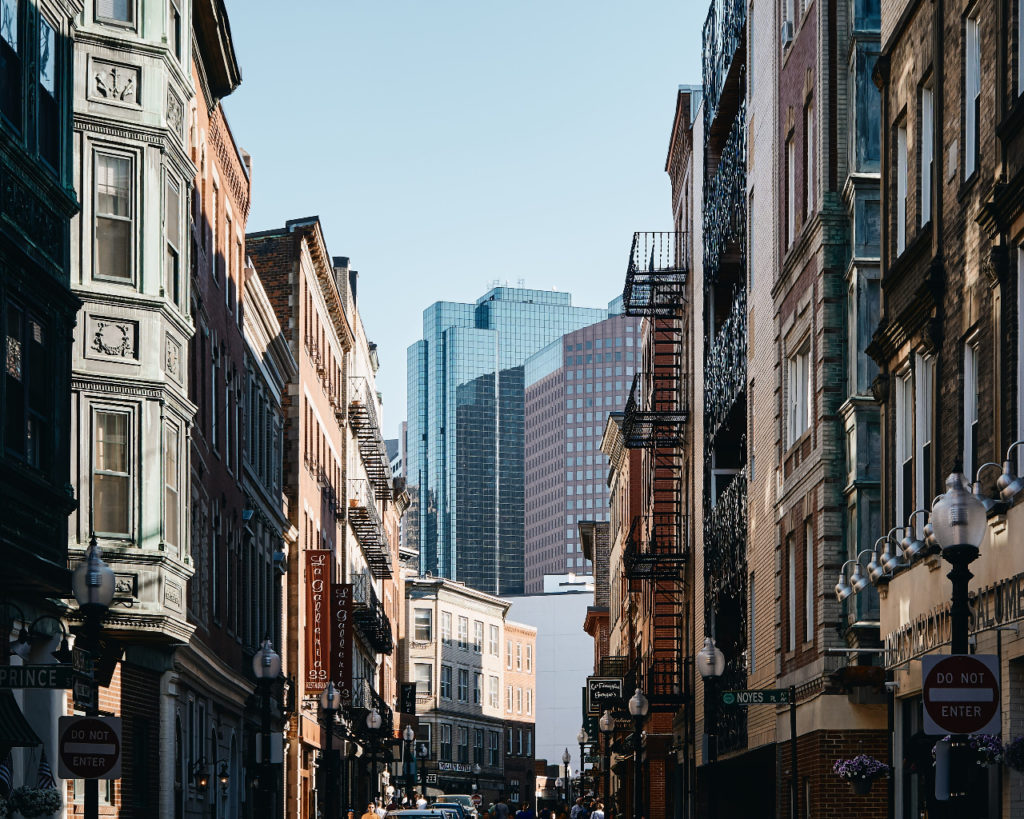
(15, 732)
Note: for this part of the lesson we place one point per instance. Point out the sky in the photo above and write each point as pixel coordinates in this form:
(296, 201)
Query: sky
(446, 144)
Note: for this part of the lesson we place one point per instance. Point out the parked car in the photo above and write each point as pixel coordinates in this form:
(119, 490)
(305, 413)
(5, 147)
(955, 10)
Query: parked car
(419, 813)
(453, 810)
(463, 799)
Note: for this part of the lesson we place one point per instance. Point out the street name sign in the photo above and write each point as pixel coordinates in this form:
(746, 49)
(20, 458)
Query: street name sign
(757, 696)
(961, 693)
(36, 676)
(89, 748)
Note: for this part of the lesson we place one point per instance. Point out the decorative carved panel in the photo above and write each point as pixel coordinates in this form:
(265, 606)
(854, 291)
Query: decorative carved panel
(113, 82)
(112, 338)
(172, 357)
(28, 213)
(175, 112)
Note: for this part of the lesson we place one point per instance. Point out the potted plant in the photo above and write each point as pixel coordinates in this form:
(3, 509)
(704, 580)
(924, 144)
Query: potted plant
(34, 802)
(1013, 754)
(861, 771)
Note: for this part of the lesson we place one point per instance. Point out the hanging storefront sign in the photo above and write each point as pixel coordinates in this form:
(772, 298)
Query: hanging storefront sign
(318, 644)
(341, 639)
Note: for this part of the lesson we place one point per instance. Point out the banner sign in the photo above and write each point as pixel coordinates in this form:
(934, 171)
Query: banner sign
(341, 638)
(318, 649)
(407, 698)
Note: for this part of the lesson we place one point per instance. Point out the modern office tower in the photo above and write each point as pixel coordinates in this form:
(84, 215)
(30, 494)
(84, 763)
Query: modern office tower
(570, 387)
(466, 429)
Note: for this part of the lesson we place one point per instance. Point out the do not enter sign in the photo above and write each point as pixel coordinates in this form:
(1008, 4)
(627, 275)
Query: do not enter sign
(961, 693)
(477, 799)
(89, 748)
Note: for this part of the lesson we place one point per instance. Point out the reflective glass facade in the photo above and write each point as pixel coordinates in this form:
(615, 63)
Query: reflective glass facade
(466, 422)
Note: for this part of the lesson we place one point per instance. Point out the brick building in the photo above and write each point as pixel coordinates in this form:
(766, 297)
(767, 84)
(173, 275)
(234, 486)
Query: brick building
(520, 681)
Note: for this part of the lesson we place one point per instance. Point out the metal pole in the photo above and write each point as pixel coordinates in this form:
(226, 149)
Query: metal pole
(373, 770)
(792, 752)
(329, 811)
(607, 771)
(891, 719)
(959, 558)
(265, 773)
(638, 805)
(92, 785)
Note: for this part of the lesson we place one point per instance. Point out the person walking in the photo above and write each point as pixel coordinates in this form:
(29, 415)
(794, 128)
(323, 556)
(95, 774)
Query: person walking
(598, 811)
(371, 812)
(525, 812)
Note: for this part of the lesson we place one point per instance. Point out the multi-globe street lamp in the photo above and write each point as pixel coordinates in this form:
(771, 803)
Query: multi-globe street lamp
(409, 735)
(476, 776)
(421, 754)
(373, 722)
(568, 775)
(638, 706)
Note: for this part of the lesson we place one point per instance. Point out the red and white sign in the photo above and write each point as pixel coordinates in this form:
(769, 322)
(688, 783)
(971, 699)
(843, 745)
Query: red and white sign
(477, 800)
(318, 617)
(89, 748)
(961, 693)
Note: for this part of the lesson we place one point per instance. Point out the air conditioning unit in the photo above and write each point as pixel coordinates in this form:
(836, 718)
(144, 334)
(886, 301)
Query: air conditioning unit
(787, 33)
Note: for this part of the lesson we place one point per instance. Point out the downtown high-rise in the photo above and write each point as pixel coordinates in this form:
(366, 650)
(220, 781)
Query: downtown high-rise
(466, 434)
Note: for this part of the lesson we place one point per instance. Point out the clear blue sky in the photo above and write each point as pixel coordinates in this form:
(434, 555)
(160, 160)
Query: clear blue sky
(447, 143)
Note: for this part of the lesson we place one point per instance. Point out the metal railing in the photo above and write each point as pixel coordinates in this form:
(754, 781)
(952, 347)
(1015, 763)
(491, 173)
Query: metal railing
(656, 273)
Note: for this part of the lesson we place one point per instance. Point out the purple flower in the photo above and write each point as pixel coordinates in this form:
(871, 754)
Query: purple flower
(861, 766)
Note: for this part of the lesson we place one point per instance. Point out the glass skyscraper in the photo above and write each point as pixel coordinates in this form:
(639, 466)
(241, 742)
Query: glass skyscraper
(466, 429)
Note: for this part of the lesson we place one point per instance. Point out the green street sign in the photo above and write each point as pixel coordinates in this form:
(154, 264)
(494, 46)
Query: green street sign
(36, 676)
(757, 696)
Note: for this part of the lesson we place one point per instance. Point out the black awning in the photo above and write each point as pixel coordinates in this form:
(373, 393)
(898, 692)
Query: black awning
(15, 732)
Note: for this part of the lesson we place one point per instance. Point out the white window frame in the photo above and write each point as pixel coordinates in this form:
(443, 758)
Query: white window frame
(446, 627)
(172, 489)
(790, 192)
(809, 590)
(446, 682)
(462, 684)
(799, 392)
(463, 632)
(529, 658)
(126, 476)
(478, 636)
(429, 678)
(809, 160)
(901, 189)
(494, 641)
(904, 437)
(130, 218)
(970, 405)
(493, 694)
(924, 434)
(927, 151)
(972, 93)
(132, 11)
(417, 625)
(791, 592)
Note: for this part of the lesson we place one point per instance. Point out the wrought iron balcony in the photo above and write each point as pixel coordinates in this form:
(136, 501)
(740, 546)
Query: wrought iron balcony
(725, 544)
(725, 200)
(724, 41)
(614, 666)
(369, 617)
(364, 699)
(657, 411)
(327, 493)
(657, 547)
(664, 678)
(725, 369)
(727, 723)
(366, 523)
(362, 415)
(656, 275)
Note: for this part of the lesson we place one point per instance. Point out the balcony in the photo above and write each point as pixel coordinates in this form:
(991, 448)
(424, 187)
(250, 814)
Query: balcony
(725, 201)
(725, 550)
(366, 523)
(724, 44)
(368, 615)
(656, 411)
(362, 416)
(364, 699)
(657, 547)
(613, 666)
(725, 369)
(727, 723)
(661, 679)
(656, 275)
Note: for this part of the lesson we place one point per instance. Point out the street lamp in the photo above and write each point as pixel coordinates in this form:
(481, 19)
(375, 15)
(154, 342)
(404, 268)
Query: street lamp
(568, 776)
(330, 703)
(558, 787)
(607, 724)
(476, 776)
(582, 739)
(92, 583)
(422, 753)
(638, 706)
(409, 735)
(266, 666)
(373, 722)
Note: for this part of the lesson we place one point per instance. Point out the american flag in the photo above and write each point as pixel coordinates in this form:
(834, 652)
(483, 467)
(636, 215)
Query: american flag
(6, 775)
(45, 779)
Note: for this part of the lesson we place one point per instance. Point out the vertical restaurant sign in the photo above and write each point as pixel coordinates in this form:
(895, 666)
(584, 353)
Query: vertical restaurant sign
(341, 639)
(318, 649)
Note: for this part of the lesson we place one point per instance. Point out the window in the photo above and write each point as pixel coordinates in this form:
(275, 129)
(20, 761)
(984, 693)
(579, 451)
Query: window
(446, 627)
(519, 700)
(172, 234)
(478, 636)
(423, 630)
(493, 751)
(529, 742)
(492, 694)
(446, 682)
(424, 678)
(519, 742)
(901, 189)
(519, 656)
(48, 127)
(116, 11)
(509, 700)
(463, 685)
(799, 386)
(529, 700)
(113, 217)
(752, 653)
(110, 481)
(927, 152)
(791, 592)
(463, 632)
(970, 408)
(923, 387)
(171, 494)
(809, 169)
(174, 27)
(790, 192)
(904, 446)
(972, 95)
(446, 742)
(808, 582)
(508, 654)
(10, 54)
(463, 743)
(478, 688)
(509, 737)
(29, 398)
(478, 746)
(529, 657)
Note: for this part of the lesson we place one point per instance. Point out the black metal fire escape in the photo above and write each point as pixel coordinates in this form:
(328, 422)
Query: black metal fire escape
(655, 419)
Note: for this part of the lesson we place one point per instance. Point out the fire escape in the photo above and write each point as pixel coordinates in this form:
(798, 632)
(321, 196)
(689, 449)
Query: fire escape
(364, 495)
(655, 419)
(725, 361)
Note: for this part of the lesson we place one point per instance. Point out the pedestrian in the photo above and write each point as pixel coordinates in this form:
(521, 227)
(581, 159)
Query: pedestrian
(381, 812)
(371, 812)
(578, 811)
(501, 810)
(421, 801)
(597, 812)
(525, 812)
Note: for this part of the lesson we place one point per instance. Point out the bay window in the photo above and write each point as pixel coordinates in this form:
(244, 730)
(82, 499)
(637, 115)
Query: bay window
(111, 473)
(114, 221)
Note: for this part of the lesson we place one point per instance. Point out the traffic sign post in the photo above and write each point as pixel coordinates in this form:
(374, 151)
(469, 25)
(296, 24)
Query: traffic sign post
(961, 693)
(477, 800)
(89, 748)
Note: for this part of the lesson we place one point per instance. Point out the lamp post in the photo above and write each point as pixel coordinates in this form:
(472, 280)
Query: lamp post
(421, 754)
(607, 724)
(558, 787)
(409, 735)
(638, 706)
(568, 776)
(373, 722)
(266, 666)
(711, 665)
(582, 739)
(92, 583)
(330, 703)
(476, 776)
